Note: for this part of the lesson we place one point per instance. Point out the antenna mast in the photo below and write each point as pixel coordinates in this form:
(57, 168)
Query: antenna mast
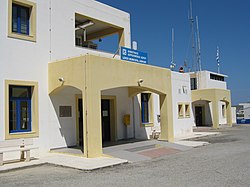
(191, 19)
(199, 45)
(218, 59)
(172, 66)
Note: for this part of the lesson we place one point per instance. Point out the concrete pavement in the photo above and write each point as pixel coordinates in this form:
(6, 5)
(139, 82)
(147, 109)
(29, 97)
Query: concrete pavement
(224, 162)
(113, 155)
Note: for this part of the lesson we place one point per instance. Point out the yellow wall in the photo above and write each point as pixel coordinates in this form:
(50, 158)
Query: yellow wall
(214, 96)
(92, 74)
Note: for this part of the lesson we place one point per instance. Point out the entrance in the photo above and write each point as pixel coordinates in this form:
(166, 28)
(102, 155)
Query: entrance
(198, 115)
(105, 113)
(80, 122)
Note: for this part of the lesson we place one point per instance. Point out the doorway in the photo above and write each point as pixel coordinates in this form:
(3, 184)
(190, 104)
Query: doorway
(105, 113)
(80, 122)
(199, 115)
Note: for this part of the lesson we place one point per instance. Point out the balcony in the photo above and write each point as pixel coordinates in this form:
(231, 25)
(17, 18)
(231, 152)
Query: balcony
(97, 36)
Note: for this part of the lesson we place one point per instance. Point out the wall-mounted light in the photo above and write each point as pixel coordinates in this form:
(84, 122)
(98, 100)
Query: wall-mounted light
(61, 79)
(140, 81)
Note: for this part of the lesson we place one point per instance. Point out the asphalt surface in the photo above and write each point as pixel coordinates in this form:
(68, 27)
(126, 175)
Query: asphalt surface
(225, 162)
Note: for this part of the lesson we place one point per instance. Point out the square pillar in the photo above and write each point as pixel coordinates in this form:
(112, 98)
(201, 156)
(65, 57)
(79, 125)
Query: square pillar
(229, 113)
(215, 114)
(92, 125)
(167, 132)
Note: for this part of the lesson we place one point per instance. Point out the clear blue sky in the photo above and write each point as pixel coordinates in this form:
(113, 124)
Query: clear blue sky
(225, 23)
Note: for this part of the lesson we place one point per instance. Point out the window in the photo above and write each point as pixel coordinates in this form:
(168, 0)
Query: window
(145, 107)
(21, 106)
(180, 111)
(19, 109)
(187, 110)
(217, 77)
(193, 82)
(22, 20)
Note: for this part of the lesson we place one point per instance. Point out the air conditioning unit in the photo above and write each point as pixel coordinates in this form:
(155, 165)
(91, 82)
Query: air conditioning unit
(89, 44)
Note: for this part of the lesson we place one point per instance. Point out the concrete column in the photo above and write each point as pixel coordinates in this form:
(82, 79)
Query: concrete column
(229, 113)
(167, 132)
(92, 125)
(215, 108)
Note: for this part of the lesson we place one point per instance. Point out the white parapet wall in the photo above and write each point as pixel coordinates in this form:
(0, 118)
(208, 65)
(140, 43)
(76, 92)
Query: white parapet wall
(208, 79)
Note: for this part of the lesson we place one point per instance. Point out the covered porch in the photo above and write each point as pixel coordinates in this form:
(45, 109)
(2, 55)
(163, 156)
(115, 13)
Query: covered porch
(91, 75)
(207, 104)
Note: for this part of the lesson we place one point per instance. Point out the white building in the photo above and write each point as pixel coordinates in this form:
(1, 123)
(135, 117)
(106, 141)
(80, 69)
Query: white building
(243, 113)
(61, 91)
(210, 98)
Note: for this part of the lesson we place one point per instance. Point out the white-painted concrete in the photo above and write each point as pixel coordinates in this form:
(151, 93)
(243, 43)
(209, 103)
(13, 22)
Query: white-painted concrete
(234, 120)
(181, 94)
(28, 61)
(204, 81)
(123, 107)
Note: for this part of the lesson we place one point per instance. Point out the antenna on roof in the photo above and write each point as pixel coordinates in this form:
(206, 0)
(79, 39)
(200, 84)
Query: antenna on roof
(191, 19)
(218, 59)
(172, 65)
(198, 45)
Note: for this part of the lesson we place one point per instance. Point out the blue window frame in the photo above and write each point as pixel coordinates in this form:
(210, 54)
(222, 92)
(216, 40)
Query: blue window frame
(144, 107)
(19, 109)
(20, 19)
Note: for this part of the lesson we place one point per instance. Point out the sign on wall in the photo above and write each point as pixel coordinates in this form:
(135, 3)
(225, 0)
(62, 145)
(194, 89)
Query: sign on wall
(134, 55)
(65, 111)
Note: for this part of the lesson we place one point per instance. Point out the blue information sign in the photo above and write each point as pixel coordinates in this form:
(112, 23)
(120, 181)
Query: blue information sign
(134, 55)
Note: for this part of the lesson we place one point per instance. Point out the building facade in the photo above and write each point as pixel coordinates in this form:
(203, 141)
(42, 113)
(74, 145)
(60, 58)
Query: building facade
(243, 113)
(211, 100)
(61, 90)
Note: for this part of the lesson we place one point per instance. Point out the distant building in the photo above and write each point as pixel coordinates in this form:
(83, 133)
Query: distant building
(211, 100)
(243, 113)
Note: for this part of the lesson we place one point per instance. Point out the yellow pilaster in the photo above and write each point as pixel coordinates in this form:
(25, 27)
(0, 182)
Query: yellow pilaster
(92, 132)
(215, 117)
(167, 132)
(229, 114)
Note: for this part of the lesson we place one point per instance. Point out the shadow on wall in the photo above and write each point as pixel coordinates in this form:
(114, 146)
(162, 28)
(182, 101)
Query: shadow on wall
(141, 132)
(64, 131)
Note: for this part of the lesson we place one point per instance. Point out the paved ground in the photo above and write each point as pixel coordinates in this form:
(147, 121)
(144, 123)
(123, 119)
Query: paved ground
(225, 162)
(144, 150)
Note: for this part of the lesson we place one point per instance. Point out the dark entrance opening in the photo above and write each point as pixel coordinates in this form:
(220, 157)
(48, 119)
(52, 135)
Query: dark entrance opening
(105, 112)
(80, 122)
(198, 115)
